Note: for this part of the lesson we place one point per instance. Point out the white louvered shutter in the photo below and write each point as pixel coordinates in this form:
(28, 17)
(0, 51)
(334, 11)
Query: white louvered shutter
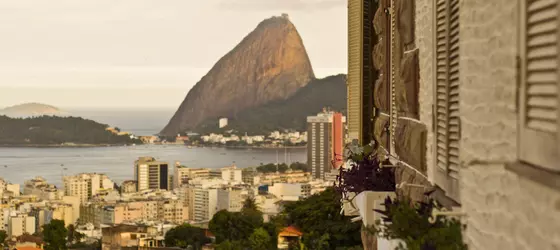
(446, 112)
(539, 83)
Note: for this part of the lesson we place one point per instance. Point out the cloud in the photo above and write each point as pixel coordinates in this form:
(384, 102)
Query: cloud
(275, 5)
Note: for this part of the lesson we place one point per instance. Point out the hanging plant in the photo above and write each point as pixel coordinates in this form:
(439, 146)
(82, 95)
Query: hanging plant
(410, 223)
(365, 172)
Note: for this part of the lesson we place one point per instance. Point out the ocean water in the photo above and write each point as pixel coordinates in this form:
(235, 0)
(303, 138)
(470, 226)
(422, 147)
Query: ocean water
(20, 164)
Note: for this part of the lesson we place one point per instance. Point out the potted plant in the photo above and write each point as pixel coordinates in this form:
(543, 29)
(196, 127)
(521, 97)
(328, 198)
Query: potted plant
(364, 182)
(416, 225)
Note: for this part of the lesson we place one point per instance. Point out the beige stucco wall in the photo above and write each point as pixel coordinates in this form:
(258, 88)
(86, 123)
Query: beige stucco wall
(504, 210)
(424, 42)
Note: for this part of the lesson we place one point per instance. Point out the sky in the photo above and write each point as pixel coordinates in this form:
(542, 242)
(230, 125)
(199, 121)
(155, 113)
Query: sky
(143, 53)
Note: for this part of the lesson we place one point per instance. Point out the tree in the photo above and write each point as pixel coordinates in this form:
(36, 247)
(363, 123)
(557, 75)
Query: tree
(186, 236)
(230, 226)
(259, 240)
(71, 233)
(249, 204)
(319, 219)
(3, 236)
(228, 245)
(55, 235)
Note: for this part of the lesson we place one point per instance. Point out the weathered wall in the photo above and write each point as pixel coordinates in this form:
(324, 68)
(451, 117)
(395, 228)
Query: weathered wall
(410, 132)
(504, 210)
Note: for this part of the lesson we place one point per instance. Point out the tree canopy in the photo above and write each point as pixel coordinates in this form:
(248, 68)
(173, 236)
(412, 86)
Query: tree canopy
(319, 219)
(52, 130)
(282, 167)
(54, 235)
(186, 236)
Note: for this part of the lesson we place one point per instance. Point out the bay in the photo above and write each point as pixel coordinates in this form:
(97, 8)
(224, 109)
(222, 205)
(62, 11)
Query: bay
(20, 164)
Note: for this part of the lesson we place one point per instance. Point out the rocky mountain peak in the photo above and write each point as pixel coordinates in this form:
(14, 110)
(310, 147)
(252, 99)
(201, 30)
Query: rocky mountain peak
(269, 64)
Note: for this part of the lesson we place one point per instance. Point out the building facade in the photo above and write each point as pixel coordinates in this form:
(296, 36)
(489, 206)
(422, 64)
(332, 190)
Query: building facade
(39, 187)
(360, 71)
(467, 103)
(86, 185)
(151, 174)
(21, 224)
(325, 142)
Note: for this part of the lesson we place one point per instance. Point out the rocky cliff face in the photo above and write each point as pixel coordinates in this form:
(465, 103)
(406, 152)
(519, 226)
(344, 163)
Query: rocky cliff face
(269, 64)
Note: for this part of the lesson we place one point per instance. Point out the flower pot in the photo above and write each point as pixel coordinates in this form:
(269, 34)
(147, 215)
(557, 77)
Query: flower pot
(349, 208)
(367, 201)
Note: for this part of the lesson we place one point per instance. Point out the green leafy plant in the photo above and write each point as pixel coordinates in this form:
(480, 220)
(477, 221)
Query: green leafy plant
(410, 222)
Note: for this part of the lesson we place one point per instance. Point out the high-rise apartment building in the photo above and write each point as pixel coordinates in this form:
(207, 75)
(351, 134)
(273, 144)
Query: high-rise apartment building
(151, 174)
(182, 174)
(21, 224)
(39, 187)
(325, 142)
(207, 201)
(361, 76)
(232, 174)
(87, 185)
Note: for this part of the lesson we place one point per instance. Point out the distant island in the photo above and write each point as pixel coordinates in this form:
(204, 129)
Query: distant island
(31, 110)
(56, 131)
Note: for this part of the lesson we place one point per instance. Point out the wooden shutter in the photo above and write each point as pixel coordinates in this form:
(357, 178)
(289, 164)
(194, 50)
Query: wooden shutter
(538, 113)
(446, 97)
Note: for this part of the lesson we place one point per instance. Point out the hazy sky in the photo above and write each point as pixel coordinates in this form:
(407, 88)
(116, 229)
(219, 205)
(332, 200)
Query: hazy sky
(142, 53)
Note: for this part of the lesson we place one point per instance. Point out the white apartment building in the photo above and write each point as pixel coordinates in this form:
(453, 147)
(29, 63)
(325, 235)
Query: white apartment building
(39, 187)
(20, 224)
(86, 185)
(232, 174)
(223, 122)
(208, 201)
(7, 187)
(290, 191)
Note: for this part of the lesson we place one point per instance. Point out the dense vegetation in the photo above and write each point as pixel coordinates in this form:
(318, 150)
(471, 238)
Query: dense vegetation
(289, 114)
(52, 130)
(186, 235)
(318, 217)
(323, 227)
(282, 167)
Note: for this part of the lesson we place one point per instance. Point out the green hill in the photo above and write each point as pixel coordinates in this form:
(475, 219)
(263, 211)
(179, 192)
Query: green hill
(52, 130)
(289, 114)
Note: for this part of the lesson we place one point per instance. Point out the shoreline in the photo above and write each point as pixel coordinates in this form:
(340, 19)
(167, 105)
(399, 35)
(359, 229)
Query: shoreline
(131, 145)
(63, 146)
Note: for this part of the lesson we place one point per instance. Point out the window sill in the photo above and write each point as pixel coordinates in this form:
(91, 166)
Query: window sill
(542, 176)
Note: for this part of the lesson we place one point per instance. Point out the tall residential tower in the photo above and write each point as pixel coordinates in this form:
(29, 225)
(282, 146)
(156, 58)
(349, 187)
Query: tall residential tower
(325, 142)
(151, 174)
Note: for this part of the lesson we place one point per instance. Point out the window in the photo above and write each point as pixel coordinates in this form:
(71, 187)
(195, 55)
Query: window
(447, 130)
(538, 113)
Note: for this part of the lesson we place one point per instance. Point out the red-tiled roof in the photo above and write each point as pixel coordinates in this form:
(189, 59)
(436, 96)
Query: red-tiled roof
(291, 231)
(27, 248)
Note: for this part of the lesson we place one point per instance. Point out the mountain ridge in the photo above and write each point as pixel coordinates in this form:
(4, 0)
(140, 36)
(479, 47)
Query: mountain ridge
(269, 64)
(289, 114)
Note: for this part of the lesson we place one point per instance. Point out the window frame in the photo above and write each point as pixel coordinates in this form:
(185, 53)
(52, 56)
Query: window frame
(445, 177)
(537, 153)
